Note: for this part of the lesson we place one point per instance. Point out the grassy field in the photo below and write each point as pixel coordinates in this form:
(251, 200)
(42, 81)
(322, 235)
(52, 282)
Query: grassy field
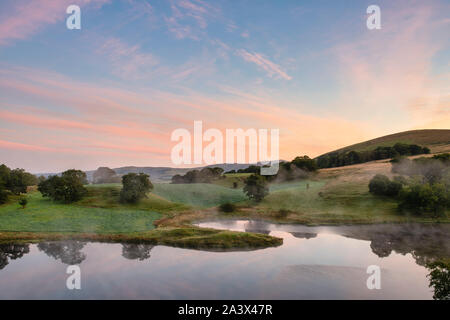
(43, 215)
(100, 217)
(231, 178)
(198, 194)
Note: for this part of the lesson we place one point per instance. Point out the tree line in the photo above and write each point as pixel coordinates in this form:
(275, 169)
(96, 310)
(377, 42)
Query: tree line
(205, 175)
(338, 159)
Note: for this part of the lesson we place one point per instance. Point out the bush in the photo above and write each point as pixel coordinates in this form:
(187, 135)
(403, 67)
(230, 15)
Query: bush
(401, 179)
(135, 187)
(382, 186)
(227, 207)
(379, 184)
(393, 188)
(23, 202)
(256, 187)
(282, 213)
(425, 198)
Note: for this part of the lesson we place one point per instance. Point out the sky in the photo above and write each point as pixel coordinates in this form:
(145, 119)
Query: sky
(112, 93)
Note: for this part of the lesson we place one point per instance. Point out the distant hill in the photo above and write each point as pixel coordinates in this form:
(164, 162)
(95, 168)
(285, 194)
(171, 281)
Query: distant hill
(438, 140)
(159, 174)
(163, 174)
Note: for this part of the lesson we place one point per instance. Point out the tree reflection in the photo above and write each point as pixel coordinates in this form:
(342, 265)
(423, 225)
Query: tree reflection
(12, 252)
(68, 252)
(429, 245)
(134, 251)
(426, 243)
(304, 235)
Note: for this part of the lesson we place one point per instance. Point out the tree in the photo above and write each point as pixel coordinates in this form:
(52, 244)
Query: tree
(67, 188)
(4, 175)
(440, 278)
(3, 195)
(305, 163)
(135, 187)
(17, 183)
(23, 202)
(256, 187)
(75, 175)
(425, 198)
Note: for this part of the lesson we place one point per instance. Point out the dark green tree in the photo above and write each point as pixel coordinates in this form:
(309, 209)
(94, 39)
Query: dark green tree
(440, 278)
(424, 198)
(18, 181)
(3, 195)
(305, 163)
(256, 187)
(23, 202)
(135, 187)
(67, 188)
(381, 185)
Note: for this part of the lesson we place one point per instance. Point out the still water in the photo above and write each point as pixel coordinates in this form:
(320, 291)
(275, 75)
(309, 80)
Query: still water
(312, 263)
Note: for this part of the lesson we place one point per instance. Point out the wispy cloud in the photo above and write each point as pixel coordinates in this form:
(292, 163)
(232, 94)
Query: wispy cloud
(128, 61)
(389, 72)
(26, 17)
(272, 69)
(190, 18)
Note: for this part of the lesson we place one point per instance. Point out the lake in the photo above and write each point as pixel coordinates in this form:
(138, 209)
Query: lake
(313, 263)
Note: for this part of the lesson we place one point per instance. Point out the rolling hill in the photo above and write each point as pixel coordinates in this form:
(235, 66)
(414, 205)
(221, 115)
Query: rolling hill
(438, 140)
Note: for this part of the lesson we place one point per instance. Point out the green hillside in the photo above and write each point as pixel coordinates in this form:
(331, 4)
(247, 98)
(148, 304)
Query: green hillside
(438, 140)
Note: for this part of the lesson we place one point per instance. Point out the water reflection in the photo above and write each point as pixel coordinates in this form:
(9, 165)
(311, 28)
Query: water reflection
(426, 243)
(303, 235)
(12, 252)
(68, 252)
(326, 262)
(134, 251)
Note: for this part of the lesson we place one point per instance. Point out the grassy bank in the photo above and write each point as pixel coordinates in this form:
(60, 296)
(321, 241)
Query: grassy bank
(183, 237)
(101, 217)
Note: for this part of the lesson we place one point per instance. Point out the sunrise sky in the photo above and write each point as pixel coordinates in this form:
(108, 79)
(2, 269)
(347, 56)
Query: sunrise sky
(111, 93)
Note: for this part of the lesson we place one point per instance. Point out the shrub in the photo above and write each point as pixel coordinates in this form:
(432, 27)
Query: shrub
(382, 186)
(379, 184)
(401, 179)
(419, 199)
(135, 187)
(282, 213)
(227, 207)
(23, 202)
(256, 187)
